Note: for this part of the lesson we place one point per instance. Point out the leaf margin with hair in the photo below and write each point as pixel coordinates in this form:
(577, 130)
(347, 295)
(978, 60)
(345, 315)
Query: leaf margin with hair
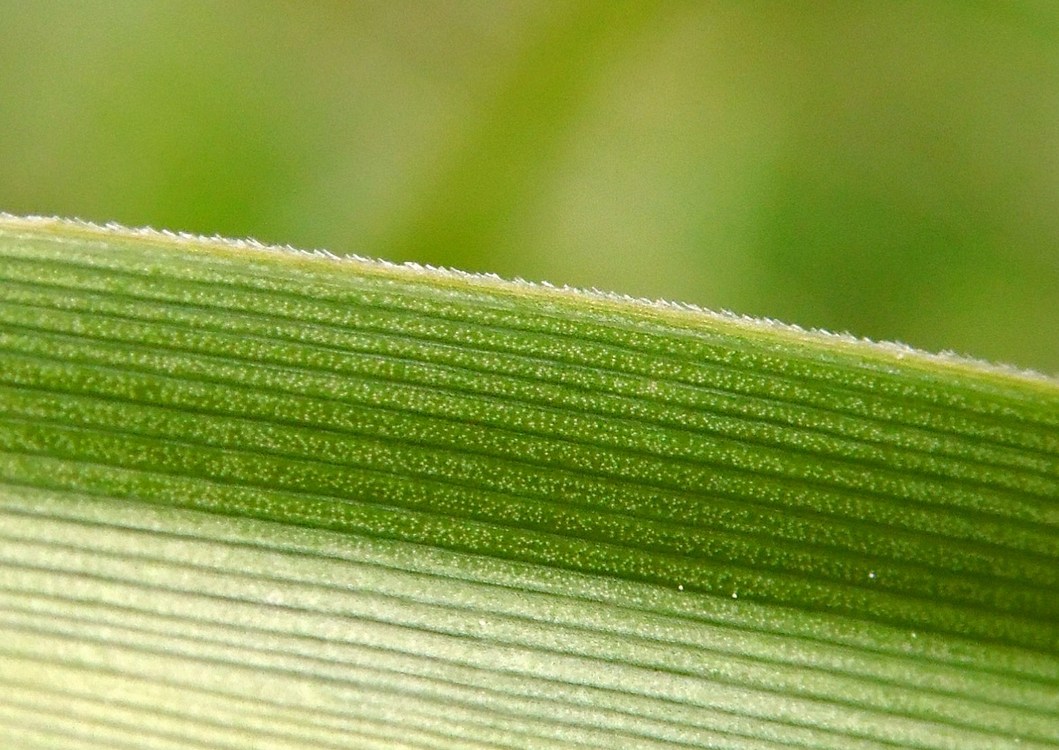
(532, 517)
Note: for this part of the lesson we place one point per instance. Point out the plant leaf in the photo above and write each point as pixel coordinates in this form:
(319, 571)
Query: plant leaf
(254, 497)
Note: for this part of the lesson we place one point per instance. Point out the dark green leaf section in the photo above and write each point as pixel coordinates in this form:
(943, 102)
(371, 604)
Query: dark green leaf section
(870, 503)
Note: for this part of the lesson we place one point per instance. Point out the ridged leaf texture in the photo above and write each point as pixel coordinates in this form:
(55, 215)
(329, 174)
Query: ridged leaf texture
(258, 498)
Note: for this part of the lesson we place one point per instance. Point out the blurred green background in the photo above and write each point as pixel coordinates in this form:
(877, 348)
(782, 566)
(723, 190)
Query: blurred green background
(888, 168)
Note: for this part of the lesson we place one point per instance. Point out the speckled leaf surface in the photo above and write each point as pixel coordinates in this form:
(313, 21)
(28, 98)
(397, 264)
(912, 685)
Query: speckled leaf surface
(252, 497)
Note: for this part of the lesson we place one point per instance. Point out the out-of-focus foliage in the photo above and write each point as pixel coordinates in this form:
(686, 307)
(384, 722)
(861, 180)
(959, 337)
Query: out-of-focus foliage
(891, 169)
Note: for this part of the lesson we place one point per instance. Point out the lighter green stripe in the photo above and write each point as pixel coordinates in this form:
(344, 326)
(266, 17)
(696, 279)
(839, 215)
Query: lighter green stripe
(507, 630)
(259, 584)
(324, 703)
(313, 725)
(215, 711)
(395, 670)
(595, 726)
(56, 726)
(32, 738)
(156, 725)
(624, 677)
(546, 609)
(140, 570)
(640, 598)
(61, 716)
(280, 660)
(200, 723)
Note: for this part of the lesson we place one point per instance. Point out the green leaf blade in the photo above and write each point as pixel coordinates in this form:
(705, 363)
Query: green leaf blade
(550, 519)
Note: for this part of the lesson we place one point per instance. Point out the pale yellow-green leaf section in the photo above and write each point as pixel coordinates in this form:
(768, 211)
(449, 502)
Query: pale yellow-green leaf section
(256, 498)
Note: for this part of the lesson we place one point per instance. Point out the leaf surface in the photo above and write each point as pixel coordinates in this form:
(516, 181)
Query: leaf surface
(254, 497)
